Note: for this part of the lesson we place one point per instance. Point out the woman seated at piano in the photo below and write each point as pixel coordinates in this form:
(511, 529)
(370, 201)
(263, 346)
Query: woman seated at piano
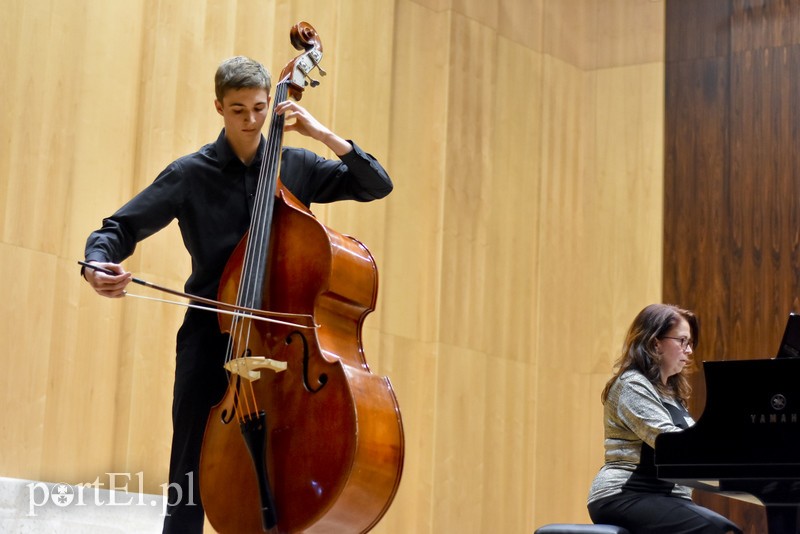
(647, 396)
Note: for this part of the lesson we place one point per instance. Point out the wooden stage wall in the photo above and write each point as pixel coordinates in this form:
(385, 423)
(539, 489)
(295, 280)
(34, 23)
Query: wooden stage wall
(525, 139)
(732, 181)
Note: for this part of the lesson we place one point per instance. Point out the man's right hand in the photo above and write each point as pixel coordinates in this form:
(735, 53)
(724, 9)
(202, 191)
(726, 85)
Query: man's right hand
(105, 284)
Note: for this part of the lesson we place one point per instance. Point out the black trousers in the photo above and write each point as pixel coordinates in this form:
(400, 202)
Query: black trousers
(200, 383)
(648, 513)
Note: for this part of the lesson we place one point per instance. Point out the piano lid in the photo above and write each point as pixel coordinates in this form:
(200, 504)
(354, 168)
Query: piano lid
(790, 343)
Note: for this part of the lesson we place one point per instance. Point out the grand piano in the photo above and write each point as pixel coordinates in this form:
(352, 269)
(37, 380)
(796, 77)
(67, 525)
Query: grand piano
(747, 440)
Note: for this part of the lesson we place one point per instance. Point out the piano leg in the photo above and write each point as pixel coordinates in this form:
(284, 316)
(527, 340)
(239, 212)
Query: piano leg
(783, 518)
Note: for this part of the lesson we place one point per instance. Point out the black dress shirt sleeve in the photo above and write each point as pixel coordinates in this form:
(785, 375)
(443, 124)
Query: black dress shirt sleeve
(145, 214)
(312, 178)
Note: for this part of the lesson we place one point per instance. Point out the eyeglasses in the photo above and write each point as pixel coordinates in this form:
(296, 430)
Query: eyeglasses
(685, 342)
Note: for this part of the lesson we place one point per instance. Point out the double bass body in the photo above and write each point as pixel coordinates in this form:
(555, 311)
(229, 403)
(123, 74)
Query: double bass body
(334, 439)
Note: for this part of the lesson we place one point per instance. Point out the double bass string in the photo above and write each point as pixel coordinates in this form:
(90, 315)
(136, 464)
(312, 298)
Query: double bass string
(251, 288)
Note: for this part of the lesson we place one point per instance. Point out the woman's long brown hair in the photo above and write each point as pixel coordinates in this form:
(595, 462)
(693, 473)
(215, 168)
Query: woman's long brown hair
(639, 351)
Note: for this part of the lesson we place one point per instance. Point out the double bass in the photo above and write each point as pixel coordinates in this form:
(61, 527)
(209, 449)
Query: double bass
(306, 438)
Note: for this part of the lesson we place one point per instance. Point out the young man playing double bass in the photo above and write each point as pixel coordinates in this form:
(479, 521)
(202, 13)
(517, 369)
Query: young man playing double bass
(211, 194)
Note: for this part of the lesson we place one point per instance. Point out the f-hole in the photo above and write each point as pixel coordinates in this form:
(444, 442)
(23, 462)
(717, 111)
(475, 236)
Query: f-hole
(322, 379)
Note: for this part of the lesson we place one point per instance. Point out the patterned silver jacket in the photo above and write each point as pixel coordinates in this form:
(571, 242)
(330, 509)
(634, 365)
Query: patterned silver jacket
(635, 413)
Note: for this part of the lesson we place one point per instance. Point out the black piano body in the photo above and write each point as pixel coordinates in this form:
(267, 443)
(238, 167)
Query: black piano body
(747, 439)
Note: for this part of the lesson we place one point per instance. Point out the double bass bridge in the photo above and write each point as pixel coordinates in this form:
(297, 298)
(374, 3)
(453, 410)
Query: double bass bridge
(250, 367)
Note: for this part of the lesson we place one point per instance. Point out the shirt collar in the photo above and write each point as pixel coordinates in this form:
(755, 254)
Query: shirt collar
(225, 153)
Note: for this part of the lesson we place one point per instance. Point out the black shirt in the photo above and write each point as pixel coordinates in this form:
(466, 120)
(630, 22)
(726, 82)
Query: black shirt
(211, 193)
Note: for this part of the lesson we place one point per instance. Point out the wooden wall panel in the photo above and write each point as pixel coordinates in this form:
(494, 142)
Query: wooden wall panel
(731, 181)
(757, 24)
(693, 38)
(522, 236)
(695, 96)
(763, 201)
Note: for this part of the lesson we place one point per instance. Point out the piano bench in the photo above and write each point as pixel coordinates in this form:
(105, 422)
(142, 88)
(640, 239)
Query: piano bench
(563, 528)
